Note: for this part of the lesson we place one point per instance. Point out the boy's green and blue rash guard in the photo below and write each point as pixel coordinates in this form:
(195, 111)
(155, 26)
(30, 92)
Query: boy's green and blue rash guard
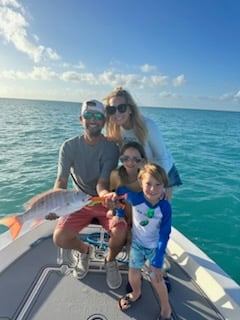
(155, 233)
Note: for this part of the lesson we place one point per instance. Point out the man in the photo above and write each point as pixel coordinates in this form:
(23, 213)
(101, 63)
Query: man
(89, 158)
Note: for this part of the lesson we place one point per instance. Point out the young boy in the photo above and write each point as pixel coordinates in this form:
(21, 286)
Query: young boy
(151, 227)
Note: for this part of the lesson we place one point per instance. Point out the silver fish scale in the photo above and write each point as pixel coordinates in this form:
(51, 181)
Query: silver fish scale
(53, 200)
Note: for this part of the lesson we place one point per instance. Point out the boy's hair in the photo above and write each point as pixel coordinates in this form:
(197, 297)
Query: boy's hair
(155, 171)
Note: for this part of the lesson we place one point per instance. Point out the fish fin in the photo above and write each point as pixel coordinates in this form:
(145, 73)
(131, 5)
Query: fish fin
(14, 225)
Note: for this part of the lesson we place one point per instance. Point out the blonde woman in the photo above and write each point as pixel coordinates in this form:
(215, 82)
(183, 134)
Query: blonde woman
(125, 123)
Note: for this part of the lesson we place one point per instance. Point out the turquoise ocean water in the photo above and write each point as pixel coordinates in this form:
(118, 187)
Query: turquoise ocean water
(205, 145)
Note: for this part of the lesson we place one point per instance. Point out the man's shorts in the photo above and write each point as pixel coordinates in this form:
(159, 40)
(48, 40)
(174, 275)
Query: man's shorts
(82, 218)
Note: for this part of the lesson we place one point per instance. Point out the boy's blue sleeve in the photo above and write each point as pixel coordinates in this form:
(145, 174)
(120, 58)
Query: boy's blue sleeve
(122, 190)
(120, 212)
(164, 233)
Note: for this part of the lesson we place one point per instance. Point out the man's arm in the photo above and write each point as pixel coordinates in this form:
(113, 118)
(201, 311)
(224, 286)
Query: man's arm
(102, 187)
(61, 183)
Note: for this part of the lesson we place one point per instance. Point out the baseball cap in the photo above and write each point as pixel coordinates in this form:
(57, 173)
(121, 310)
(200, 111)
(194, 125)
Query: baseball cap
(92, 105)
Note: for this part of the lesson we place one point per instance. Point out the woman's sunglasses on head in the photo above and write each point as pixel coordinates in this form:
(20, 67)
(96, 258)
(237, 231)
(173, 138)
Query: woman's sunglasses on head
(94, 115)
(127, 158)
(121, 108)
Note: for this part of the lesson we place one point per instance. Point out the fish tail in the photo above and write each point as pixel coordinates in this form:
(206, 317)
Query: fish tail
(14, 225)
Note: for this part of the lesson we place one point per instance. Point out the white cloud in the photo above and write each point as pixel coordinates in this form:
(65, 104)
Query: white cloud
(13, 28)
(37, 73)
(12, 3)
(165, 94)
(79, 77)
(179, 81)
(42, 73)
(106, 78)
(230, 96)
(148, 68)
(237, 95)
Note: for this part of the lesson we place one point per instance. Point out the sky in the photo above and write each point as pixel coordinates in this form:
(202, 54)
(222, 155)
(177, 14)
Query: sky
(167, 53)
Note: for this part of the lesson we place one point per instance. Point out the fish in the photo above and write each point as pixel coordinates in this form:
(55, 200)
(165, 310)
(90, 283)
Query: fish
(58, 201)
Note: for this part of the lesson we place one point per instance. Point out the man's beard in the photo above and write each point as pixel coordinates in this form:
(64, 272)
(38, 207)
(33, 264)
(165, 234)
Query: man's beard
(94, 133)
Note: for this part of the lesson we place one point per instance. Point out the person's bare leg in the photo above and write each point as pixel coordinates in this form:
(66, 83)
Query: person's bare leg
(116, 242)
(162, 292)
(134, 277)
(69, 239)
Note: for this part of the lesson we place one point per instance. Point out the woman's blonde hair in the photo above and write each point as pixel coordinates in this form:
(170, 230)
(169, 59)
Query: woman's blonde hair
(113, 130)
(155, 171)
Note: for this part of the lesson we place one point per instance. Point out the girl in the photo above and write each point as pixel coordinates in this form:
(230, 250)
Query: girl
(132, 157)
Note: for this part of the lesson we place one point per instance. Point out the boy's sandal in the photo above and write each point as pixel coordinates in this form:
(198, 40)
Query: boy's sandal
(125, 302)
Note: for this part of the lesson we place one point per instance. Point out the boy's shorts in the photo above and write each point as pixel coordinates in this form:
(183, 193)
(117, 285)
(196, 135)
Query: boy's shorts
(139, 255)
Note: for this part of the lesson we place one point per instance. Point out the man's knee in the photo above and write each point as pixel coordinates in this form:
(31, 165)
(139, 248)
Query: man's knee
(119, 234)
(62, 237)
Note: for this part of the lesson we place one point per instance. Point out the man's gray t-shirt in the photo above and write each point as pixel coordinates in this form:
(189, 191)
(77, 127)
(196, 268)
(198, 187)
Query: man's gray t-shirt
(87, 162)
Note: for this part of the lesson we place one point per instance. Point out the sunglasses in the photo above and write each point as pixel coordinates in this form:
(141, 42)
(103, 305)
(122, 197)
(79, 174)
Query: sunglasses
(121, 108)
(127, 158)
(95, 116)
(150, 215)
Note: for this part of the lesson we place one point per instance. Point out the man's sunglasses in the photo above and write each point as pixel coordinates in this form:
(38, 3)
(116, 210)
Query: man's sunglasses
(95, 116)
(127, 158)
(112, 109)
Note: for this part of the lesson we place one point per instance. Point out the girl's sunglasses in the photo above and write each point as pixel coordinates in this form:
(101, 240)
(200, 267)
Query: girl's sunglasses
(112, 109)
(95, 116)
(127, 158)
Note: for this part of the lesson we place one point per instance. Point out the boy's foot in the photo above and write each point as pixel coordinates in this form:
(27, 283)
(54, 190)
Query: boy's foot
(113, 277)
(82, 264)
(125, 302)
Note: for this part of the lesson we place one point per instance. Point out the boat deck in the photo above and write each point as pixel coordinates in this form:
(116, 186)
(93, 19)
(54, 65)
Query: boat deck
(34, 286)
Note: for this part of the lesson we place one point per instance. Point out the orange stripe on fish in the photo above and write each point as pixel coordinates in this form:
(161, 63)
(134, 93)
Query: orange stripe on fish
(13, 224)
(103, 200)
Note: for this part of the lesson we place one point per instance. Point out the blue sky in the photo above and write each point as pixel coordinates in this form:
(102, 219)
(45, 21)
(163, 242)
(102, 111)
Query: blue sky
(167, 53)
